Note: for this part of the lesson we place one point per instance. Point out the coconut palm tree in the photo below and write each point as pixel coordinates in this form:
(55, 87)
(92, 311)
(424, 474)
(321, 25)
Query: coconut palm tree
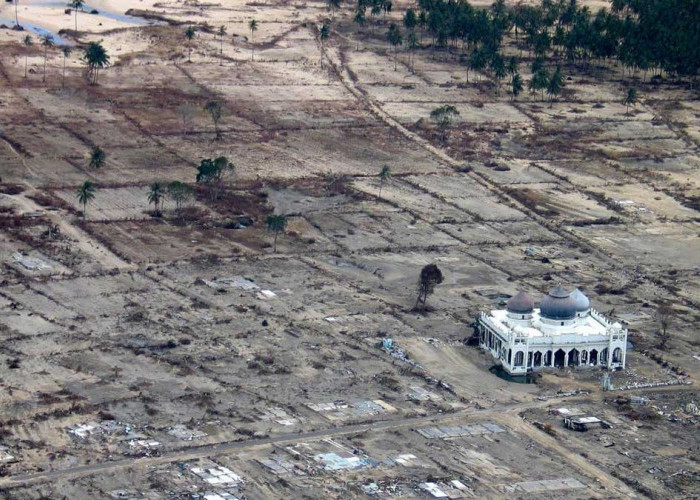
(222, 34)
(47, 42)
(253, 25)
(16, 17)
(66, 54)
(156, 195)
(77, 5)
(85, 194)
(384, 175)
(332, 5)
(516, 85)
(395, 38)
(96, 58)
(190, 33)
(277, 224)
(97, 157)
(27, 41)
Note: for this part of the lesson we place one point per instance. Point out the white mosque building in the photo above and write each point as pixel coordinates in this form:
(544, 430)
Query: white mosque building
(563, 331)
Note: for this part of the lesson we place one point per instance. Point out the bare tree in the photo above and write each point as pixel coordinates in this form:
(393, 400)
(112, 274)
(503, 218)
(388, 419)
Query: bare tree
(186, 113)
(664, 317)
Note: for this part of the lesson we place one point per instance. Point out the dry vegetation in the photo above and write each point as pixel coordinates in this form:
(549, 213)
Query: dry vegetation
(189, 330)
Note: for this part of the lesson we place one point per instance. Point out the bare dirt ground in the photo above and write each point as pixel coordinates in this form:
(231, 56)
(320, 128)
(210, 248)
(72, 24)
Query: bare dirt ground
(140, 349)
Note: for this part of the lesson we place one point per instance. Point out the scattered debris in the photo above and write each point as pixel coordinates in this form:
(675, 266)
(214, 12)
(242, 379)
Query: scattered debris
(31, 263)
(464, 430)
(181, 431)
(568, 483)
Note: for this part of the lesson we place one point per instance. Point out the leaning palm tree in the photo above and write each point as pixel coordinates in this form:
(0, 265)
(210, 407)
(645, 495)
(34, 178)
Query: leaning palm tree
(384, 175)
(277, 224)
(66, 54)
(97, 157)
(253, 25)
(27, 41)
(77, 5)
(85, 194)
(189, 35)
(222, 34)
(96, 58)
(47, 42)
(156, 195)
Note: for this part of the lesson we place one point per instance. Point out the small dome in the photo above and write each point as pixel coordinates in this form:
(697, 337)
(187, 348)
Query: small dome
(581, 302)
(520, 303)
(558, 305)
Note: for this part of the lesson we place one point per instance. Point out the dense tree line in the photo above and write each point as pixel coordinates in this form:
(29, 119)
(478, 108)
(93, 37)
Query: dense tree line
(646, 35)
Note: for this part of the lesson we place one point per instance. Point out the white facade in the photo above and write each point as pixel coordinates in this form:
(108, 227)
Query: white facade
(563, 332)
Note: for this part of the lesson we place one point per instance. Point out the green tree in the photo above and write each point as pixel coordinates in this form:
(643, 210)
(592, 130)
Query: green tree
(85, 194)
(477, 61)
(539, 81)
(253, 26)
(222, 34)
(276, 224)
(66, 50)
(156, 195)
(180, 193)
(430, 277)
(384, 176)
(27, 41)
(444, 115)
(215, 110)
(555, 84)
(410, 21)
(395, 38)
(213, 173)
(412, 43)
(190, 33)
(96, 58)
(516, 85)
(630, 99)
(77, 5)
(97, 157)
(47, 43)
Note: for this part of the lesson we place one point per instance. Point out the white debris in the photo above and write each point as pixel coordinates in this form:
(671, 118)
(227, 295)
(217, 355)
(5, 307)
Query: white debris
(182, 432)
(31, 263)
(266, 294)
(83, 431)
(217, 475)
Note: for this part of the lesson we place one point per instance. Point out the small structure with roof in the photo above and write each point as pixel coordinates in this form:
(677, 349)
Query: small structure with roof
(563, 331)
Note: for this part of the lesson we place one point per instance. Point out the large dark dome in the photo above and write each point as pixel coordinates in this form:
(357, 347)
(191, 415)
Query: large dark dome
(558, 305)
(520, 303)
(581, 302)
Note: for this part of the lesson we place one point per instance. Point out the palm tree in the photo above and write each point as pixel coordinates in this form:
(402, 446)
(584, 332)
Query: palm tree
(277, 224)
(85, 194)
(96, 58)
(77, 4)
(556, 82)
(516, 85)
(16, 18)
(222, 34)
(332, 5)
(384, 175)
(413, 44)
(156, 195)
(190, 33)
(47, 42)
(395, 38)
(66, 53)
(253, 25)
(27, 41)
(324, 33)
(630, 98)
(97, 157)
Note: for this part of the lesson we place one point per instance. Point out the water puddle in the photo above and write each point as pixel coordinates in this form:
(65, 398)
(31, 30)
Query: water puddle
(518, 379)
(37, 30)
